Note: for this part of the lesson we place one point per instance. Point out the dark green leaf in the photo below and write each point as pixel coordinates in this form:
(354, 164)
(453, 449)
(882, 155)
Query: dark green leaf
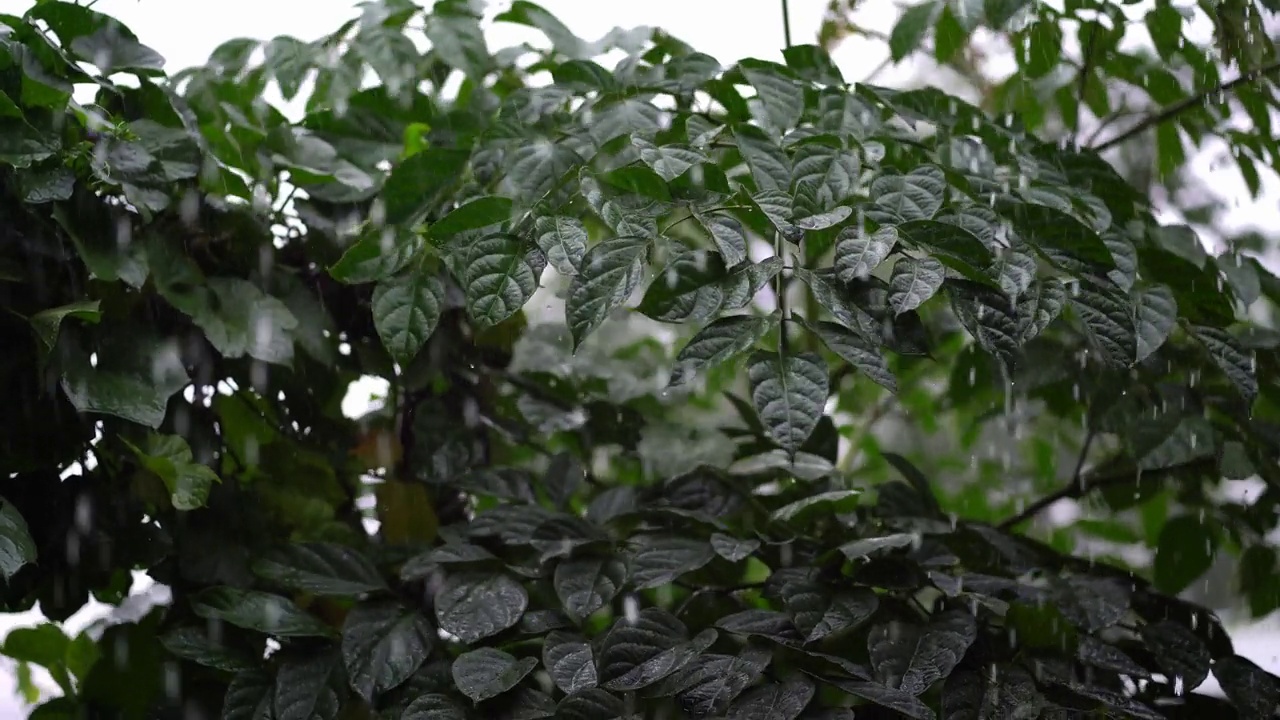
(260, 611)
(1185, 550)
(498, 280)
(911, 28)
(488, 672)
(720, 342)
(16, 545)
(406, 311)
(789, 393)
(609, 274)
(474, 606)
(320, 569)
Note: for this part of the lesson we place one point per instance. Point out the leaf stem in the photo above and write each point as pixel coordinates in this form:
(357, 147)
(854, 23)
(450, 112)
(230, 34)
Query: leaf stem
(1174, 109)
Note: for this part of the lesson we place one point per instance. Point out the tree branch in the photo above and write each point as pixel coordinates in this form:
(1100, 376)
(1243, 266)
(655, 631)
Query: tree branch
(1075, 488)
(1081, 486)
(1173, 110)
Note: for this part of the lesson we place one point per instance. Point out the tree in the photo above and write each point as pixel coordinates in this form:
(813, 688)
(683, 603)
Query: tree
(537, 521)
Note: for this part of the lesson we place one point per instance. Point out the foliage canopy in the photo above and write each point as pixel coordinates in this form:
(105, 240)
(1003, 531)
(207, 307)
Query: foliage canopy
(192, 282)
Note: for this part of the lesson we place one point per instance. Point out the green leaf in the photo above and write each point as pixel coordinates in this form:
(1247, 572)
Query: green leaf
(918, 195)
(47, 323)
(562, 39)
(377, 255)
(713, 681)
(728, 235)
(1238, 363)
(536, 168)
(823, 177)
(383, 644)
(912, 658)
(191, 643)
(250, 696)
(896, 700)
(320, 569)
(303, 687)
(1040, 307)
(803, 510)
(242, 320)
(1164, 24)
(657, 560)
(778, 90)
(637, 180)
(563, 240)
(609, 274)
(416, 183)
(456, 36)
(774, 701)
(1184, 552)
(718, 343)
(1000, 12)
(913, 282)
(858, 253)
(585, 585)
(733, 549)
(668, 161)
(592, 704)
(1010, 692)
(691, 288)
(911, 28)
(837, 301)
(856, 350)
(1109, 322)
(479, 213)
(17, 548)
(654, 668)
(776, 205)
(812, 63)
(789, 393)
(475, 605)
(1047, 229)
(864, 547)
(433, 706)
(406, 311)
(1155, 312)
(171, 459)
(259, 611)
(134, 378)
(1178, 652)
(497, 279)
(770, 167)
(488, 672)
(569, 661)
(1254, 691)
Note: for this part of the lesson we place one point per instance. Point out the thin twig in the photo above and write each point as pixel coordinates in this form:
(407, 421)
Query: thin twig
(1079, 488)
(1074, 488)
(1174, 109)
(786, 23)
(1086, 69)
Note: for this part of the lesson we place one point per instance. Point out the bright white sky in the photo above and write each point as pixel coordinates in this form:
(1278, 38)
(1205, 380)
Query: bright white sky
(186, 31)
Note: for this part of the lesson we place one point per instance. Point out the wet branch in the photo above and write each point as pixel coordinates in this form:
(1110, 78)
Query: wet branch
(1081, 486)
(1173, 110)
(1075, 488)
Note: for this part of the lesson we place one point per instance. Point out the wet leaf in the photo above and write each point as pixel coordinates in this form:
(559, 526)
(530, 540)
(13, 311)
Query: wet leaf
(474, 606)
(789, 393)
(406, 311)
(320, 569)
(488, 672)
